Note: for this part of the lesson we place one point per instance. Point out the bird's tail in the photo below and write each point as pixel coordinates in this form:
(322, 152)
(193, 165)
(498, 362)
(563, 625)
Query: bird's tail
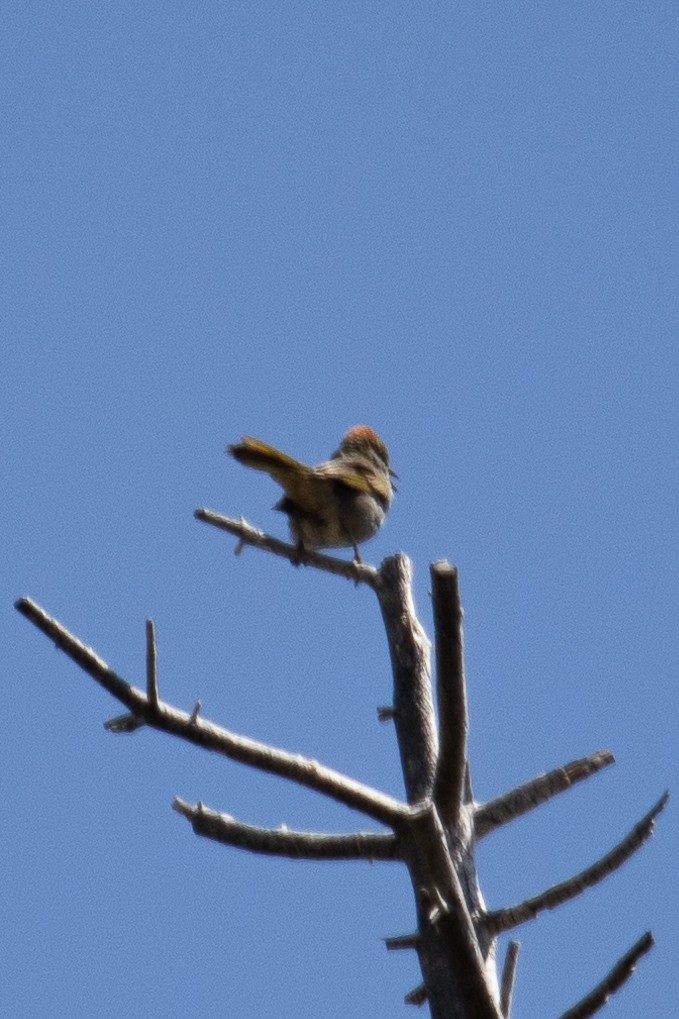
(263, 457)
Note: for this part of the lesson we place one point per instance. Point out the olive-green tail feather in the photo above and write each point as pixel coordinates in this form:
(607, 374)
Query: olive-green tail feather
(263, 457)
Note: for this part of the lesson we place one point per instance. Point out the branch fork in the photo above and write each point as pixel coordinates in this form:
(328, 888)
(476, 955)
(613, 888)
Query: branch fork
(434, 833)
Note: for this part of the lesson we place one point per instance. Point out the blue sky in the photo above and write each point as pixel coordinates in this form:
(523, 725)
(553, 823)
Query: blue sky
(457, 223)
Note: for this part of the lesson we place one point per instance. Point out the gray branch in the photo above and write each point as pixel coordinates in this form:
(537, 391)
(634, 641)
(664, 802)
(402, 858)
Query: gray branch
(409, 650)
(299, 845)
(435, 833)
(402, 941)
(451, 693)
(493, 814)
(249, 535)
(196, 730)
(417, 996)
(151, 664)
(507, 919)
(508, 977)
(456, 974)
(612, 982)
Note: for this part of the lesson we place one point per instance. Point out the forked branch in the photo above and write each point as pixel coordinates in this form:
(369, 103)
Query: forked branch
(205, 734)
(435, 833)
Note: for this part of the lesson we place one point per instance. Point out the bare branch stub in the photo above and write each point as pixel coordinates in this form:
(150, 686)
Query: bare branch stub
(402, 941)
(451, 692)
(126, 723)
(417, 996)
(151, 664)
(508, 977)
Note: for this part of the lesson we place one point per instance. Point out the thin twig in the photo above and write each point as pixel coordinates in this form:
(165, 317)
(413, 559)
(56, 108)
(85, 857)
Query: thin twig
(302, 845)
(612, 982)
(249, 535)
(417, 996)
(506, 919)
(266, 758)
(491, 815)
(125, 723)
(468, 790)
(401, 941)
(151, 664)
(450, 692)
(508, 976)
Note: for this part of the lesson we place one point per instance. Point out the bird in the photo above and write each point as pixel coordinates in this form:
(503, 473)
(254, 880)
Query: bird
(339, 503)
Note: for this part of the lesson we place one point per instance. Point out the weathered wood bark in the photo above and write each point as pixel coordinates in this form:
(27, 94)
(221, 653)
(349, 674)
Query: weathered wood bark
(434, 833)
(457, 960)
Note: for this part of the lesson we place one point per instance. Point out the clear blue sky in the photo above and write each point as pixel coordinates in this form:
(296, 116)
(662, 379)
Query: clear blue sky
(458, 223)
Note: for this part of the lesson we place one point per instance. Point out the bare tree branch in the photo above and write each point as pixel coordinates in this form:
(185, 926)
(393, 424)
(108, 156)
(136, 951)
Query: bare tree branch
(249, 535)
(413, 710)
(450, 692)
(508, 976)
(612, 982)
(125, 723)
(385, 713)
(299, 769)
(506, 919)
(503, 809)
(417, 996)
(454, 965)
(151, 664)
(435, 833)
(284, 842)
(449, 943)
(401, 941)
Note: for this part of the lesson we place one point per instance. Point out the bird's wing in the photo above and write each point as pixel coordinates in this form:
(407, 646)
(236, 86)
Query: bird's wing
(336, 470)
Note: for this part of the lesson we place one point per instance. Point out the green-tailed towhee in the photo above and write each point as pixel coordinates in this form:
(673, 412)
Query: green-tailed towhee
(337, 504)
